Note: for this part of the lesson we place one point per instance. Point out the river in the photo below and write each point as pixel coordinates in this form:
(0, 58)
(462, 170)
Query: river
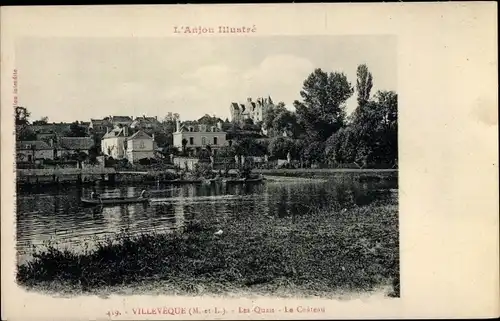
(51, 214)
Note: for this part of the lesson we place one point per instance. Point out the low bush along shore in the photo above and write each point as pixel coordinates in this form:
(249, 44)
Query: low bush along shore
(324, 252)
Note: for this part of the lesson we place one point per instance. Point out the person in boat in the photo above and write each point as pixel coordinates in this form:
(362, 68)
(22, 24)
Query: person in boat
(94, 195)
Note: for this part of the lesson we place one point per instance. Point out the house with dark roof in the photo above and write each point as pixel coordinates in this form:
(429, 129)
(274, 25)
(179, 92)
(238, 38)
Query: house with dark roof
(28, 151)
(67, 146)
(100, 125)
(140, 145)
(121, 121)
(145, 123)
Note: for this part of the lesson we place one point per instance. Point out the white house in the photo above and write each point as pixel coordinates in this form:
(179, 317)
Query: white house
(113, 143)
(198, 137)
(140, 145)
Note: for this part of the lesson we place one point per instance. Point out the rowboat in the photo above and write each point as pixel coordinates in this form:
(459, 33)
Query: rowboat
(114, 200)
(243, 180)
(181, 181)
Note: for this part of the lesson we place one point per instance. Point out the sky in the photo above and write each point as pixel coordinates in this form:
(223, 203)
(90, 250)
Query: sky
(68, 79)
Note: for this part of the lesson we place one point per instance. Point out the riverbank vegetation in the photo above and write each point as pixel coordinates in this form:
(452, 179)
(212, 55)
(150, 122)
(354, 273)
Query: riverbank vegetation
(326, 251)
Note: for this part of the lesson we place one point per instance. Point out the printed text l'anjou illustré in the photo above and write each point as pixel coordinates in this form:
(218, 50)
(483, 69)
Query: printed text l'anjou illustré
(199, 30)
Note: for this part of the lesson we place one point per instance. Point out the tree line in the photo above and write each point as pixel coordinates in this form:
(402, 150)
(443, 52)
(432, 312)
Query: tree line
(320, 131)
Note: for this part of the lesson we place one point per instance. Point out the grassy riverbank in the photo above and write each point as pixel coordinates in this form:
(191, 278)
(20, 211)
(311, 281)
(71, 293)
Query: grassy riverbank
(327, 251)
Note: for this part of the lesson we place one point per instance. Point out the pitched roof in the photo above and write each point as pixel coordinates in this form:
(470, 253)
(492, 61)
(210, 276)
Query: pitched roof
(117, 132)
(121, 119)
(140, 135)
(42, 129)
(99, 121)
(73, 143)
(28, 144)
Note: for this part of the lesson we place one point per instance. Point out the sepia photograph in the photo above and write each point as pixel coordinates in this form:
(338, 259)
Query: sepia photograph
(249, 161)
(263, 165)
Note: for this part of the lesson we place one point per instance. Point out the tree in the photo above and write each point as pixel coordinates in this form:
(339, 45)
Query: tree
(23, 130)
(280, 146)
(322, 111)
(364, 84)
(184, 143)
(375, 129)
(312, 150)
(226, 152)
(271, 114)
(249, 147)
(76, 130)
(209, 120)
(22, 115)
(341, 147)
(248, 121)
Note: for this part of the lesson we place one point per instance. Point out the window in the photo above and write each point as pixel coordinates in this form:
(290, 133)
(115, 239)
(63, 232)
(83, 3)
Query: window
(215, 140)
(191, 141)
(203, 141)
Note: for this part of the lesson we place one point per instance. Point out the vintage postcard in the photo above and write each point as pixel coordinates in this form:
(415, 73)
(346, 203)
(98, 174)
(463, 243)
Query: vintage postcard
(249, 161)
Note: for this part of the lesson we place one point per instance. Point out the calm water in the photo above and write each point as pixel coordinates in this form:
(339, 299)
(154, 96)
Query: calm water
(53, 214)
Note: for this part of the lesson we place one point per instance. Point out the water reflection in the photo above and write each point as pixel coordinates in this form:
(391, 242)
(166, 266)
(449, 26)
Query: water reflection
(57, 214)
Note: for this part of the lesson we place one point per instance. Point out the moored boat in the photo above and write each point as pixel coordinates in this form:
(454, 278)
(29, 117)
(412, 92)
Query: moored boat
(243, 180)
(182, 181)
(114, 200)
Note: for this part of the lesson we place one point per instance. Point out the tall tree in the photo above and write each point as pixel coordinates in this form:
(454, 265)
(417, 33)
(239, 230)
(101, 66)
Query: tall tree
(375, 129)
(364, 84)
(23, 130)
(322, 111)
(22, 115)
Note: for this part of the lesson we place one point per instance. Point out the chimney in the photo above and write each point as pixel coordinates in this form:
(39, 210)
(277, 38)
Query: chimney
(177, 125)
(125, 131)
(153, 136)
(219, 125)
(51, 142)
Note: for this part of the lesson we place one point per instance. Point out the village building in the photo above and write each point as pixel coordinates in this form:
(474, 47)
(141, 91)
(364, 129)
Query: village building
(123, 121)
(117, 144)
(140, 145)
(108, 123)
(100, 125)
(68, 146)
(46, 131)
(145, 123)
(254, 110)
(199, 136)
(29, 151)
(113, 142)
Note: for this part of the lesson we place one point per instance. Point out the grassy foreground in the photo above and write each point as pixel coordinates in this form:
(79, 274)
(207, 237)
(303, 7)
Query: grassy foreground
(329, 251)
